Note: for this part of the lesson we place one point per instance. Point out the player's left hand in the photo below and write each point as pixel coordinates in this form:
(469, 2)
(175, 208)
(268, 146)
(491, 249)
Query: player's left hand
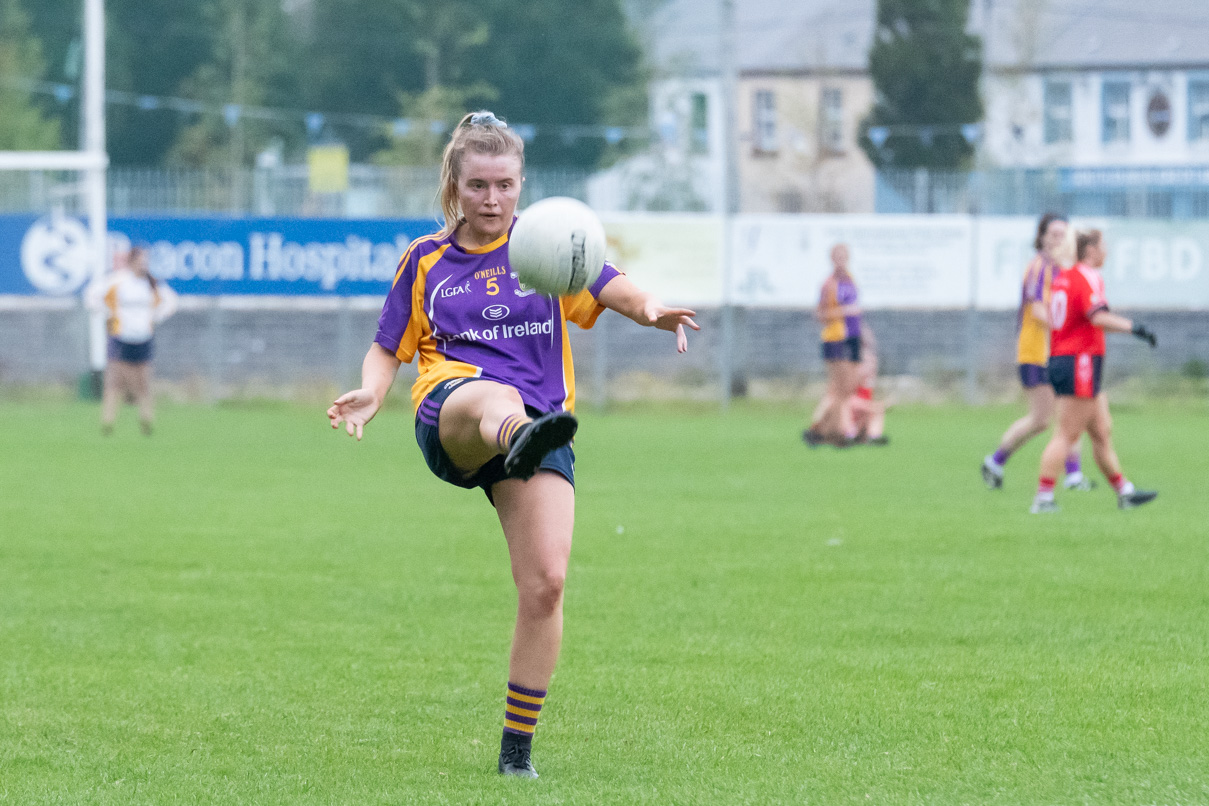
(673, 320)
(1145, 334)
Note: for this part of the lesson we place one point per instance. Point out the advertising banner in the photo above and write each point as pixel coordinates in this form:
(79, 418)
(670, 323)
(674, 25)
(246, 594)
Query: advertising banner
(212, 256)
(676, 257)
(898, 261)
(1151, 263)
(1157, 264)
(1005, 246)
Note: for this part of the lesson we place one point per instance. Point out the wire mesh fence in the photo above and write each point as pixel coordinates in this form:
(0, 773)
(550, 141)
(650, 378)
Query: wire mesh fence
(1162, 193)
(373, 191)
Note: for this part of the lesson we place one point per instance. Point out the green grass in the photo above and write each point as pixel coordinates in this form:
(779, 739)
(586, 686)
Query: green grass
(247, 608)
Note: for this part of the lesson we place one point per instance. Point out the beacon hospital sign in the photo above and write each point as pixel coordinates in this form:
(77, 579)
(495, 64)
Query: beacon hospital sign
(49, 255)
(900, 262)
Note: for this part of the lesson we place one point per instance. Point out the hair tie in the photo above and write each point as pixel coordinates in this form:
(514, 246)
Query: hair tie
(486, 119)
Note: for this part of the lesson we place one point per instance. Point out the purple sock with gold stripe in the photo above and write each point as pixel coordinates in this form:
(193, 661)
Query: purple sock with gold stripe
(521, 709)
(508, 428)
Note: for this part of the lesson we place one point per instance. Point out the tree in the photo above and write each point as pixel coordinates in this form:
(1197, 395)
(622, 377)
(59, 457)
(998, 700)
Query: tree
(386, 68)
(23, 125)
(419, 144)
(545, 62)
(925, 70)
(557, 63)
(151, 47)
(535, 63)
(252, 63)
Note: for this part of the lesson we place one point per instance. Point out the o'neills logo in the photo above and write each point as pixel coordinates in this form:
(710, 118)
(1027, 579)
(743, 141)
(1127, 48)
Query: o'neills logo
(495, 271)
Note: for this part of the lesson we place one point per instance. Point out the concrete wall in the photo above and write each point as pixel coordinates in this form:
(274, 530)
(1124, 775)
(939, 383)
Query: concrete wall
(213, 352)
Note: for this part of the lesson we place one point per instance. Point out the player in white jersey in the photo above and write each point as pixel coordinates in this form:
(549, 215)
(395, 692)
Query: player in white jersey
(134, 302)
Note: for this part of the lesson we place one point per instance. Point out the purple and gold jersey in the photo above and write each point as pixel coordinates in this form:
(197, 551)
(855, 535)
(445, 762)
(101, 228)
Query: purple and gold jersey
(1032, 347)
(464, 312)
(837, 293)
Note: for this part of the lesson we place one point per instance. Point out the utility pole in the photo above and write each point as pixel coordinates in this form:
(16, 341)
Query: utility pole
(730, 194)
(239, 56)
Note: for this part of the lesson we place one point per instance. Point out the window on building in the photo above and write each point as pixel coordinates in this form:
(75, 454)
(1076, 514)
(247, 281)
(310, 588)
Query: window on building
(1116, 204)
(790, 201)
(699, 123)
(831, 118)
(1059, 115)
(1160, 204)
(764, 122)
(1198, 204)
(1198, 109)
(1115, 112)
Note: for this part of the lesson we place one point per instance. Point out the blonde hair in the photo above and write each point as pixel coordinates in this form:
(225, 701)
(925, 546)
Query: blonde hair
(481, 133)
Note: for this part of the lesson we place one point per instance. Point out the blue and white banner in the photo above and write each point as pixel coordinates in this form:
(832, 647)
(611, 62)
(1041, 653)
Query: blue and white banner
(919, 262)
(50, 255)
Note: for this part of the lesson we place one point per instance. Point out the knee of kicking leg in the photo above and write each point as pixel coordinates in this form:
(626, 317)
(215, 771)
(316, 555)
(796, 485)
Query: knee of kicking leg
(508, 394)
(542, 595)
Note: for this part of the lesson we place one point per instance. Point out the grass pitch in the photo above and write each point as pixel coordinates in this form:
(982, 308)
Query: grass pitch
(248, 608)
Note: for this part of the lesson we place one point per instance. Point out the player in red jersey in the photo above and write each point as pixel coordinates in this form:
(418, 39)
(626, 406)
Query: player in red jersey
(862, 415)
(1080, 316)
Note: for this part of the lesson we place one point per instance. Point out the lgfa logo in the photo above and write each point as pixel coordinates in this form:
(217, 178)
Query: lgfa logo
(55, 255)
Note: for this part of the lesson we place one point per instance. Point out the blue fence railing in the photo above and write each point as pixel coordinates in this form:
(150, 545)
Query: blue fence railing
(1160, 192)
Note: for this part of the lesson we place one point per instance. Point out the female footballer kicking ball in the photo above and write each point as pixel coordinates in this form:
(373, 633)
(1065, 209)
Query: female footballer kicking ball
(496, 389)
(1079, 313)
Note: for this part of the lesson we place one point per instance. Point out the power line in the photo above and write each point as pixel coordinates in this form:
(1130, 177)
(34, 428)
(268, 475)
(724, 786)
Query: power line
(315, 121)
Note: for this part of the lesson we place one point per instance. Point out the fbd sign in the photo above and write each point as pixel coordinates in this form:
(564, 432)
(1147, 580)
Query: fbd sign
(209, 256)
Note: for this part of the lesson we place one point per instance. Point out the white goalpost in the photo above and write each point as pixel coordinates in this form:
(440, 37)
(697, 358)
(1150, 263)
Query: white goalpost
(92, 160)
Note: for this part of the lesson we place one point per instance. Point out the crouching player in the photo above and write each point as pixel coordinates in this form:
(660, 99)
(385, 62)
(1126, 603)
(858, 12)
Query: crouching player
(864, 416)
(1079, 314)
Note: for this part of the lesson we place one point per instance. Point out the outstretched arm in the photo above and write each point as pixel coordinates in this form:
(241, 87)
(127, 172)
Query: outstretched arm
(1114, 323)
(621, 295)
(358, 407)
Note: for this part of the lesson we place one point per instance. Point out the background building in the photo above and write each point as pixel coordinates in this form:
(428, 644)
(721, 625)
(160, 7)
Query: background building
(802, 90)
(1116, 98)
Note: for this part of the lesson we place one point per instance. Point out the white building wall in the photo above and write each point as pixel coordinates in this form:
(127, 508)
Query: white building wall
(674, 173)
(1015, 132)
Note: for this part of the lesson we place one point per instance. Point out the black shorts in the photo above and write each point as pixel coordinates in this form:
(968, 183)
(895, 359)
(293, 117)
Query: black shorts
(1033, 375)
(560, 460)
(846, 350)
(129, 352)
(1076, 375)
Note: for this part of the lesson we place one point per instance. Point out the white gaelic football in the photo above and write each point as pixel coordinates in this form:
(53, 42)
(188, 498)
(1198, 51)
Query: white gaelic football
(557, 246)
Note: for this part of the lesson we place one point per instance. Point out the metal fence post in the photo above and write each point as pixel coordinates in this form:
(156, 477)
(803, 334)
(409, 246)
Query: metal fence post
(214, 335)
(972, 334)
(921, 191)
(344, 344)
(600, 362)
